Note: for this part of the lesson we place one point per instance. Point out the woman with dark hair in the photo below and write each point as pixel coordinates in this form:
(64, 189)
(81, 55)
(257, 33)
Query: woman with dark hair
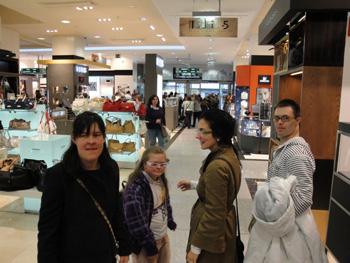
(71, 226)
(147, 208)
(213, 221)
(155, 118)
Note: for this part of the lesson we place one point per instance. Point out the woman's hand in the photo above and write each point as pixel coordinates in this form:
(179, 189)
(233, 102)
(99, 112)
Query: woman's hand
(191, 257)
(184, 185)
(124, 259)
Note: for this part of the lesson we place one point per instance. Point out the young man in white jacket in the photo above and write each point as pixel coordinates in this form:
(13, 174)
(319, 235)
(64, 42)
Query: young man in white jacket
(292, 158)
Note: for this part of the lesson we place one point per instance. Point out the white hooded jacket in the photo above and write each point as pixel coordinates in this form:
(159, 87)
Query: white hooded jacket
(278, 236)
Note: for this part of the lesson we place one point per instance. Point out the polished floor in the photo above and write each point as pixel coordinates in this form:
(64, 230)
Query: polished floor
(18, 230)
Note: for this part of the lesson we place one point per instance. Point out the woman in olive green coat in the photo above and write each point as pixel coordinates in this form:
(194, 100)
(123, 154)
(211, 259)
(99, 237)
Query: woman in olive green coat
(213, 222)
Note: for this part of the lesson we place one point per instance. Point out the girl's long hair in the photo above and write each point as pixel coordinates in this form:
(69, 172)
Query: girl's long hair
(71, 160)
(140, 167)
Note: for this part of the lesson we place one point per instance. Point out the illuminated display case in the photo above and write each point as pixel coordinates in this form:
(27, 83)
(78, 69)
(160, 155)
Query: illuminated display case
(253, 135)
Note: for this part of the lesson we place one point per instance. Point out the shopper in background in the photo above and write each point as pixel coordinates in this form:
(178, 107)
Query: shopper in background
(197, 109)
(140, 107)
(155, 118)
(71, 227)
(293, 224)
(147, 208)
(188, 107)
(37, 95)
(213, 222)
(227, 103)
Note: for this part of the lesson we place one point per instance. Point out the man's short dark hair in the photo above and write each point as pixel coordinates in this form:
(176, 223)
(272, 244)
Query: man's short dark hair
(289, 103)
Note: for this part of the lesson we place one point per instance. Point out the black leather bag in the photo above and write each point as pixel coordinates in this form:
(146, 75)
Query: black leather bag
(37, 169)
(20, 104)
(17, 179)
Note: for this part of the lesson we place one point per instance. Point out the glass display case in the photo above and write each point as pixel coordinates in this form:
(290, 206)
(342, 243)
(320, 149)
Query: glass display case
(253, 134)
(338, 232)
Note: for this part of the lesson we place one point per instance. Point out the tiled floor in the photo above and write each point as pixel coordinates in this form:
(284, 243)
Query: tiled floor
(18, 231)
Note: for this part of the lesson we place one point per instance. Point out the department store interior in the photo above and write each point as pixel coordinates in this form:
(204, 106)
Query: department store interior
(80, 55)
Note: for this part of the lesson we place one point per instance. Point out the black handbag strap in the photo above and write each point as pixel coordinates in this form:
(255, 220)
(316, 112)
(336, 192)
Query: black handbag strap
(99, 209)
(236, 192)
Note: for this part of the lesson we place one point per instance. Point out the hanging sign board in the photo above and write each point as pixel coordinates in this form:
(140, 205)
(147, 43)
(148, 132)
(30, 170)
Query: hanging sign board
(208, 27)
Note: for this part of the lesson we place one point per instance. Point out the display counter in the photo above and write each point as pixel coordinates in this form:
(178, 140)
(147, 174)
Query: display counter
(253, 135)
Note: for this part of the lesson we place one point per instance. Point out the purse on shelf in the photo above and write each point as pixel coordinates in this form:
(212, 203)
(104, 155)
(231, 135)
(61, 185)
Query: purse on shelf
(128, 127)
(6, 142)
(19, 124)
(129, 146)
(114, 125)
(80, 103)
(96, 104)
(21, 103)
(127, 107)
(37, 169)
(115, 146)
(110, 105)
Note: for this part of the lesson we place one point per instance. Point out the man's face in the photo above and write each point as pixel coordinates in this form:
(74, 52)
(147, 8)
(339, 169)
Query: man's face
(290, 127)
(263, 95)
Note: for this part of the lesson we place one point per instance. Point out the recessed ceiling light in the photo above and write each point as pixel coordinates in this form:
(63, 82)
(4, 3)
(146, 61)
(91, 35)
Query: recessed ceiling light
(172, 53)
(41, 38)
(97, 37)
(117, 28)
(152, 27)
(84, 8)
(52, 31)
(159, 35)
(163, 39)
(65, 21)
(132, 6)
(143, 18)
(210, 39)
(104, 20)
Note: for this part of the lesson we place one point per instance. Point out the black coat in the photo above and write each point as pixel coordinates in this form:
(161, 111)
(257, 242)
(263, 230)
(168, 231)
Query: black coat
(71, 229)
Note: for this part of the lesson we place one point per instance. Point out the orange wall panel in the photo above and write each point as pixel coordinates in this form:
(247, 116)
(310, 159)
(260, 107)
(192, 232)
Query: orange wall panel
(255, 71)
(243, 75)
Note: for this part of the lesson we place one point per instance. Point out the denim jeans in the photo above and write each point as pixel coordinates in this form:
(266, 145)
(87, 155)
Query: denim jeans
(188, 118)
(153, 134)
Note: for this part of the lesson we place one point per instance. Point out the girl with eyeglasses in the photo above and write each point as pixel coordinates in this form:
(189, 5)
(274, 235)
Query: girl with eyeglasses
(213, 221)
(147, 208)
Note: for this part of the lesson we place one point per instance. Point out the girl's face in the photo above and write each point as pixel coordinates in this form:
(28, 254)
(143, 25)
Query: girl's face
(155, 166)
(205, 136)
(90, 147)
(155, 101)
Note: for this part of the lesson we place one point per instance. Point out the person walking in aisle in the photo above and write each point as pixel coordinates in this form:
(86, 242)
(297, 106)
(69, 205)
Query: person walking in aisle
(285, 230)
(147, 208)
(155, 118)
(188, 107)
(71, 227)
(197, 109)
(212, 236)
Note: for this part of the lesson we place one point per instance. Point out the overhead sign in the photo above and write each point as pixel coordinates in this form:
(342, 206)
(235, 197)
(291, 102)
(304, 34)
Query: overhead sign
(264, 79)
(33, 70)
(187, 73)
(208, 27)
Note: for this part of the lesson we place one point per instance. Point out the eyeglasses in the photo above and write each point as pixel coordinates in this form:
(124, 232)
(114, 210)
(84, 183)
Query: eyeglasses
(162, 165)
(201, 132)
(284, 118)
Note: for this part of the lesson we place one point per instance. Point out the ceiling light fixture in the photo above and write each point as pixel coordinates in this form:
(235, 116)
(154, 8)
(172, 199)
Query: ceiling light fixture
(65, 21)
(211, 14)
(159, 35)
(41, 38)
(104, 20)
(163, 39)
(117, 28)
(143, 18)
(97, 37)
(297, 73)
(52, 31)
(151, 27)
(84, 8)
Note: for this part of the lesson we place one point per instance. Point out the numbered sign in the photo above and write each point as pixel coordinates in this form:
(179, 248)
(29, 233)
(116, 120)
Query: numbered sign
(208, 27)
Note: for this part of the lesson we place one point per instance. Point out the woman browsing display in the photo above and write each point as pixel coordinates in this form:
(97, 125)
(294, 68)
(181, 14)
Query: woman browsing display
(213, 224)
(155, 118)
(71, 227)
(147, 208)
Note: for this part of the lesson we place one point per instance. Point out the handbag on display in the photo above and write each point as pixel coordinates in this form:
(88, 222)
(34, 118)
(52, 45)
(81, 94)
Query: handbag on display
(6, 142)
(114, 125)
(129, 146)
(5, 85)
(110, 105)
(37, 168)
(96, 104)
(115, 146)
(128, 127)
(127, 107)
(80, 103)
(15, 141)
(21, 103)
(46, 125)
(19, 124)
